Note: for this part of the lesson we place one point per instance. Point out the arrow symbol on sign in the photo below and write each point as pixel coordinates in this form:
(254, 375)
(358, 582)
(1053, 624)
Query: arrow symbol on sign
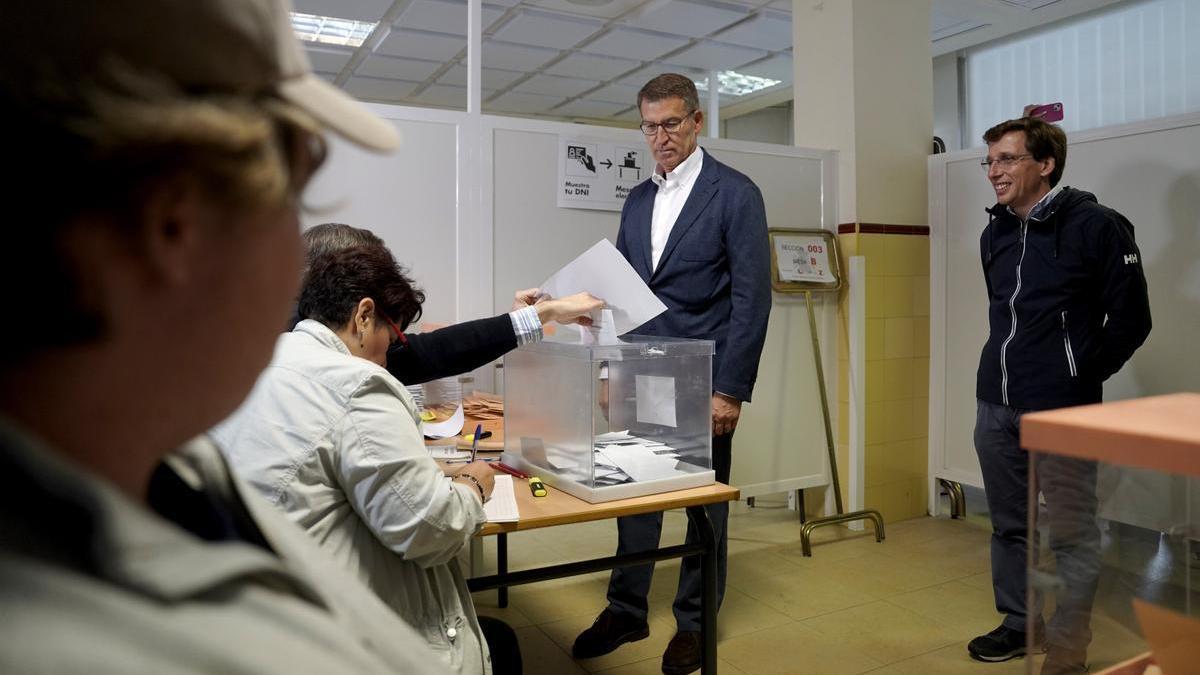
(607, 163)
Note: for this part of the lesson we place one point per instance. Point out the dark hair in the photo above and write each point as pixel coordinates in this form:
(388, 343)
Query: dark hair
(330, 237)
(337, 281)
(1042, 140)
(670, 85)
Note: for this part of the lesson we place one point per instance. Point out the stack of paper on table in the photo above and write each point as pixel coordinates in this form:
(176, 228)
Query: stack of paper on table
(502, 507)
(484, 406)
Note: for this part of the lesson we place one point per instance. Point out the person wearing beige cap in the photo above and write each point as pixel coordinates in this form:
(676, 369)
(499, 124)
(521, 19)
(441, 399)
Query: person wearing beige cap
(151, 254)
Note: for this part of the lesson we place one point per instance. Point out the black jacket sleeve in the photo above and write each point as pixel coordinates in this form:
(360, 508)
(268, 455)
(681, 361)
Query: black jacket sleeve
(452, 350)
(1123, 292)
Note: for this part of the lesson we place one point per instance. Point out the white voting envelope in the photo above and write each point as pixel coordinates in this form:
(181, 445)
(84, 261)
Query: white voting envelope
(603, 272)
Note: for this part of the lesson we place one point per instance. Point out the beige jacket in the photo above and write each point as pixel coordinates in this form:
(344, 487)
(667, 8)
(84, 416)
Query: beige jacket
(334, 440)
(93, 582)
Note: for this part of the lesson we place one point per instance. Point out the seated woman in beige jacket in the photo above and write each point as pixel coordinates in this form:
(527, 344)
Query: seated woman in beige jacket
(334, 440)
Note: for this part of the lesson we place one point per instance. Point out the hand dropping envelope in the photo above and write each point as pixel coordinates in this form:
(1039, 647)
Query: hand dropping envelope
(602, 271)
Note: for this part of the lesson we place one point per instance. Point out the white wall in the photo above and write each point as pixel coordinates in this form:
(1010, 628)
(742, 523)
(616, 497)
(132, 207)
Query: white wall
(946, 123)
(766, 125)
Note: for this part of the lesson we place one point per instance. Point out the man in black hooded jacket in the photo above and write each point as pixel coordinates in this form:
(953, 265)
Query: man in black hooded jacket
(1067, 307)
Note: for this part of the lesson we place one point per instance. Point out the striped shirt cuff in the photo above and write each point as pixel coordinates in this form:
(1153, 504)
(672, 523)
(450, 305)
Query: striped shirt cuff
(526, 325)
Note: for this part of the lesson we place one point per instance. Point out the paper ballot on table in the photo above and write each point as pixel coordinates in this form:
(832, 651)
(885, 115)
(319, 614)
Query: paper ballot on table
(603, 272)
(502, 507)
(656, 400)
(446, 429)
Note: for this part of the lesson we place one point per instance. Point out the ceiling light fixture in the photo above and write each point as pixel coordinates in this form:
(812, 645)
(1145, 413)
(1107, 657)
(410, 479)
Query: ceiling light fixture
(737, 84)
(331, 30)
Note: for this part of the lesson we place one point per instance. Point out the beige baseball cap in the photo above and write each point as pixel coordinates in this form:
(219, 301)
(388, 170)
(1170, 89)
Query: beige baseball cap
(235, 46)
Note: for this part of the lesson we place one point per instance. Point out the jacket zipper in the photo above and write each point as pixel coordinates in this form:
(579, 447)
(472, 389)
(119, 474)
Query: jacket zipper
(1067, 346)
(1012, 310)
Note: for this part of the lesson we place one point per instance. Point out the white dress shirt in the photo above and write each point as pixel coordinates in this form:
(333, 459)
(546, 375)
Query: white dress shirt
(673, 191)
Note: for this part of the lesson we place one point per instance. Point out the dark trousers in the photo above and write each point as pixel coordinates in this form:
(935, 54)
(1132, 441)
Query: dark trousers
(502, 644)
(629, 586)
(1069, 488)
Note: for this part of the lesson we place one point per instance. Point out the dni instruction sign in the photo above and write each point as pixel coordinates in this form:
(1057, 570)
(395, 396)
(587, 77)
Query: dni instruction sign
(596, 174)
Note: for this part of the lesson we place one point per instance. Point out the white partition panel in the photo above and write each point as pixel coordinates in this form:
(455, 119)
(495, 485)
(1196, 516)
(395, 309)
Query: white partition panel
(408, 198)
(1150, 172)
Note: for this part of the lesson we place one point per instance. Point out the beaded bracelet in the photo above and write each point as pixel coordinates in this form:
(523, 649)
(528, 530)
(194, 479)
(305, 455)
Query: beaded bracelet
(474, 480)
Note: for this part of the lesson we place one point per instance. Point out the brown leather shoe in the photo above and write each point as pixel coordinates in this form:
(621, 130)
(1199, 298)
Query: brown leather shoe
(683, 654)
(609, 631)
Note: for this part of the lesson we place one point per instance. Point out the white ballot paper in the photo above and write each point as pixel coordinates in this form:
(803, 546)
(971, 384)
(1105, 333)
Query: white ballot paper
(602, 271)
(502, 507)
(446, 429)
(656, 400)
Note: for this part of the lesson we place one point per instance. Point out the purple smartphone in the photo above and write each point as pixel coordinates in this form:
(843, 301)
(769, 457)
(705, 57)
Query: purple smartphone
(1051, 112)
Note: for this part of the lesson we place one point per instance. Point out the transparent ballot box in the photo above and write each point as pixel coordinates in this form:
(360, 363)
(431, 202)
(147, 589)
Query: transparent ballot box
(605, 422)
(1114, 512)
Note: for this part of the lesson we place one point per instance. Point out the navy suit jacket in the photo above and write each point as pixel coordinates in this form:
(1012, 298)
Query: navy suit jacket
(714, 273)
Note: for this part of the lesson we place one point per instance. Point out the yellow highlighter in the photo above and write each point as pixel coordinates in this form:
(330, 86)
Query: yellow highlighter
(536, 487)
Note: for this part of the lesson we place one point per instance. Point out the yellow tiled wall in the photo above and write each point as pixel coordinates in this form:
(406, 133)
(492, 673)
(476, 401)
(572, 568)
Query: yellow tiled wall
(897, 372)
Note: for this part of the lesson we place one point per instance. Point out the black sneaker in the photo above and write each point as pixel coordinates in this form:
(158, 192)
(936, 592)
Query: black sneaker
(609, 631)
(1001, 644)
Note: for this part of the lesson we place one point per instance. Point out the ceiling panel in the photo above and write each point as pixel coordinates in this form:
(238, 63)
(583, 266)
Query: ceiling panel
(420, 45)
(715, 56)
(1029, 4)
(587, 108)
(377, 89)
(397, 69)
(359, 10)
(616, 93)
(777, 67)
(327, 59)
(634, 44)
(603, 10)
(543, 29)
(943, 26)
(523, 103)
(516, 57)
(552, 85)
(493, 78)
(768, 30)
(443, 96)
(653, 70)
(592, 67)
(687, 18)
(784, 6)
(443, 16)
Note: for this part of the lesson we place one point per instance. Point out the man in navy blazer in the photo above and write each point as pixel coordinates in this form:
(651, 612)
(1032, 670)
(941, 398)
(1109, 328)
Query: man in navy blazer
(696, 232)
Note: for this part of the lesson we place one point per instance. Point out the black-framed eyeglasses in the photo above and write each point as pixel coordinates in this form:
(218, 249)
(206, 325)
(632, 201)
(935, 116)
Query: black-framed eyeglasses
(1003, 161)
(670, 126)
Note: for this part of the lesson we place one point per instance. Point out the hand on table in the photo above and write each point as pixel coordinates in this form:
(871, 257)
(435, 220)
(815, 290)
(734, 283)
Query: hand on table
(480, 471)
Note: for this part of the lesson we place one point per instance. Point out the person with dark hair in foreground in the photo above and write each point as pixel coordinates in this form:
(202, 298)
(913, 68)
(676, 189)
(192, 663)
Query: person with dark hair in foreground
(159, 251)
(330, 437)
(416, 358)
(1067, 307)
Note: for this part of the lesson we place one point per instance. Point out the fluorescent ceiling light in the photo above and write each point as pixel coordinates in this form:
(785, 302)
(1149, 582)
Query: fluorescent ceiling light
(737, 84)
(331, 30)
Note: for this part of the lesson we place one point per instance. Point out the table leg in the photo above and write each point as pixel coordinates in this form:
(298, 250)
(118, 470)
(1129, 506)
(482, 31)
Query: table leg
(502, 567)
(708, 581)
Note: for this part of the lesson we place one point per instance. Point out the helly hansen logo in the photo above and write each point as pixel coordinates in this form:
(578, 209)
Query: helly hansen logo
(1131, 259)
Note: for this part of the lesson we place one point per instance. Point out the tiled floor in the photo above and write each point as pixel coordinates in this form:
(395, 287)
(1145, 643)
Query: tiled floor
(908, 605)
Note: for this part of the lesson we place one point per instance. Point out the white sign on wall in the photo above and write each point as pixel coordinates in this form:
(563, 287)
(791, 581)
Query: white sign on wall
(597, 174)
